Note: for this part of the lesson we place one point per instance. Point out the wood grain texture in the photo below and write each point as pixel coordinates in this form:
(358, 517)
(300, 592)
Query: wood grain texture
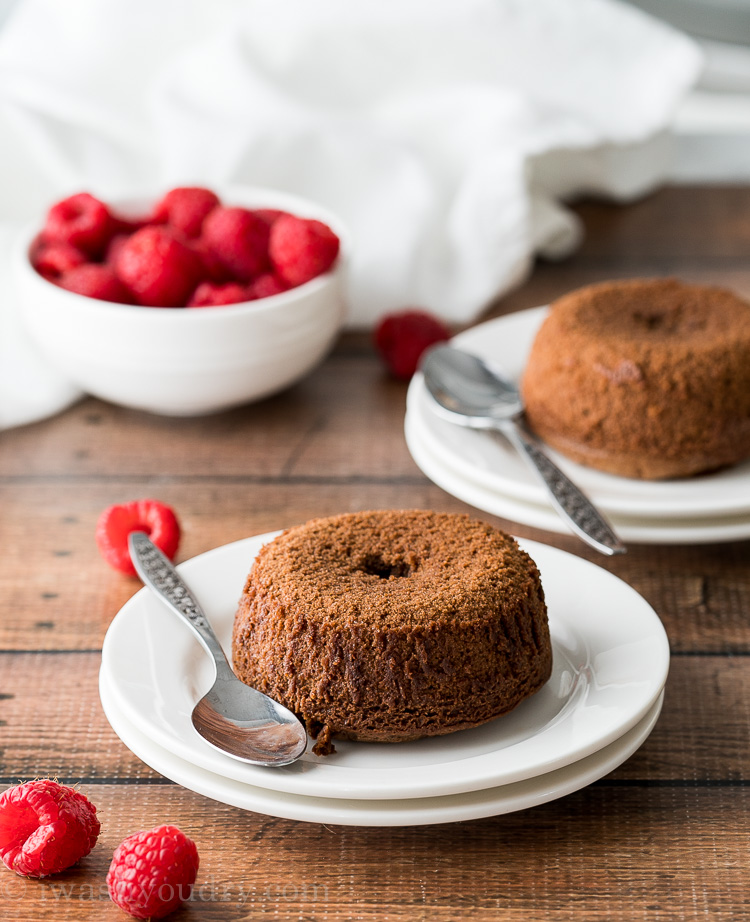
(58, 593)
(607, 852)
(663, 837)
(340, 422)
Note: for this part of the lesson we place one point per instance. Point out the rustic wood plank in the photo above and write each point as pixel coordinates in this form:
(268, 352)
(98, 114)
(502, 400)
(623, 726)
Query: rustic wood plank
(58, 593)
(551, 281)
(345, 419)
(700, 235)
(604, 853)
(53, 723)
(677, 223)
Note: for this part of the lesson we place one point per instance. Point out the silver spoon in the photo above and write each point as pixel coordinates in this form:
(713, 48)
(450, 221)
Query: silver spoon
(468, 392)
(238, 720)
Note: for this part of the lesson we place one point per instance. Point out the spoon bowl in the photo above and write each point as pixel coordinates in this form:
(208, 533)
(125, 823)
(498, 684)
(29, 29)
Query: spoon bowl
(234, 718)
(467, 390)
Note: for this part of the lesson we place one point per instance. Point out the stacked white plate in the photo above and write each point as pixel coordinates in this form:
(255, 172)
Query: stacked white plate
(483, 470)
(611, 659)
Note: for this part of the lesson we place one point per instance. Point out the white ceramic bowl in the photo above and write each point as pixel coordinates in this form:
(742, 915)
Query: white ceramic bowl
(187, 362)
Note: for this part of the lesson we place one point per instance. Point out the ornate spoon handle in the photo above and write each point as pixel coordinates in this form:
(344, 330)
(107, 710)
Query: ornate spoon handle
(574, 507)
(159, 574)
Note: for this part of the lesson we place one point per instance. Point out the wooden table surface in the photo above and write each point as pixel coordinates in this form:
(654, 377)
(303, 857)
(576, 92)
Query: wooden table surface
(665, 836)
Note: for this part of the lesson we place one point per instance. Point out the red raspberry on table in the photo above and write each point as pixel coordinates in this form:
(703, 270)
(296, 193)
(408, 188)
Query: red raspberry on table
(402, 337)
(149, 515)
(158, 269)
(82, 221)
(45, 827)
(95, 280)
(153, 872)
(301, 249)
(239, 240)
(186, 209)
(263, 286)
(209, 294)
(53, 259)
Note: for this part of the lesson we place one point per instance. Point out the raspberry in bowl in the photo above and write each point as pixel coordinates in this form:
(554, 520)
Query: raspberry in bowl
(184, 303)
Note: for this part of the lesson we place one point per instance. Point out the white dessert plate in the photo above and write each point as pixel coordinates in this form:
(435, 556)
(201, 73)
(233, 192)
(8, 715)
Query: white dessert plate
(611, 661)
(703, 530)
(420, 811)
(495, 466)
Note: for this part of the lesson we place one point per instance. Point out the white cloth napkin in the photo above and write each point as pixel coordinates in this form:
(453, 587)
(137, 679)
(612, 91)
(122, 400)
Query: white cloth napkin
(445, 133)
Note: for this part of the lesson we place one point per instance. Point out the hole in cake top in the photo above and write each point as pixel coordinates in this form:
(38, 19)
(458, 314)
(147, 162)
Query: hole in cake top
(375, 565)
(670, 320)
(651, 320)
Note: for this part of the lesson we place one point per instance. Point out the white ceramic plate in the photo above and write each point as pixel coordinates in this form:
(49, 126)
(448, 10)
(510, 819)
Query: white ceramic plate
(703, 530)
(611, 661)
(506, 342)
(417, 812)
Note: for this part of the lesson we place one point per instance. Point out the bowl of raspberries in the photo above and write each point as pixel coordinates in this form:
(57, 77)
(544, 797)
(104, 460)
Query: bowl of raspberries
(187, 303)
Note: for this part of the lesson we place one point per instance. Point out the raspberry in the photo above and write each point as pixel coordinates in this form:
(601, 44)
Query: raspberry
(402, 337)
(127, 226)
(153, 872)
(263, 286)
(269, 215)
(157, 268)
(114, 246)
(116, 522)
(185, 209)
(82, 221)
(45, 827)
(95, 280)
(213, 268)
(208, 294)
(301, 249)
(53, 259)
(239, 240)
